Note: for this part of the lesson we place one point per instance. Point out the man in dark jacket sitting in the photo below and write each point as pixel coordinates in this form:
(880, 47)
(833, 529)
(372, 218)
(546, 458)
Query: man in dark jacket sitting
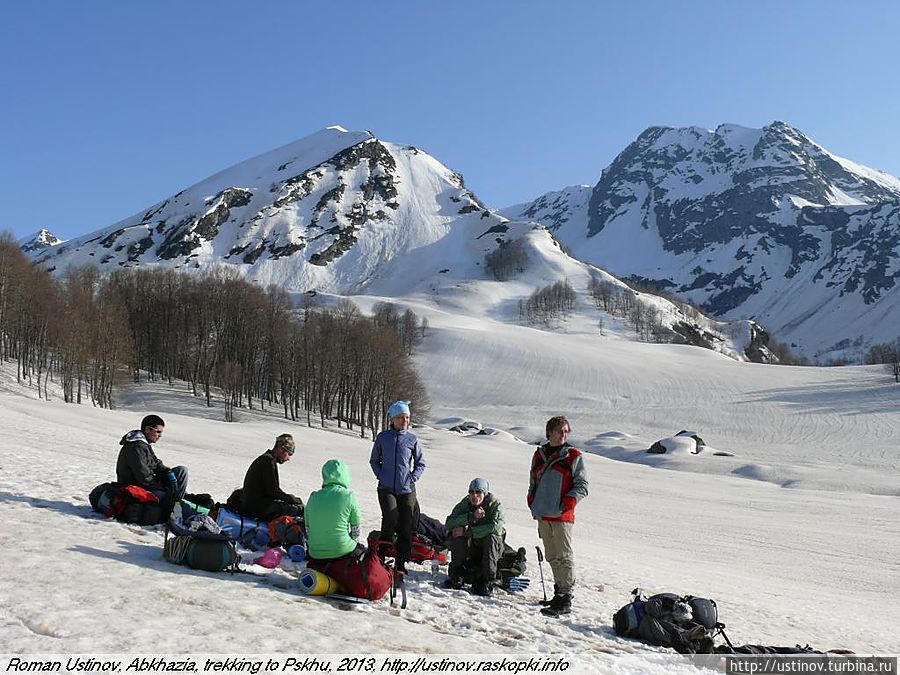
(262, 496)
(475, 533)
(138, 464)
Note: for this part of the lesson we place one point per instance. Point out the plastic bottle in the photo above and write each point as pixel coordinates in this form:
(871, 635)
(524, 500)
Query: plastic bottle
(435, 567)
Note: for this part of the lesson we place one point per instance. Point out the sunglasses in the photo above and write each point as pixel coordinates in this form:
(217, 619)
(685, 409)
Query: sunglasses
(476, 492)
(289, 451)
(155, 430)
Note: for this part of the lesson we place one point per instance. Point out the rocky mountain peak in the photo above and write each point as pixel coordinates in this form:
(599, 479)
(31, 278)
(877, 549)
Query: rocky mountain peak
(40, 240)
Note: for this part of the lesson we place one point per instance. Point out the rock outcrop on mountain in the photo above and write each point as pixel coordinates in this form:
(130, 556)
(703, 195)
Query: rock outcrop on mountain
(40, 240)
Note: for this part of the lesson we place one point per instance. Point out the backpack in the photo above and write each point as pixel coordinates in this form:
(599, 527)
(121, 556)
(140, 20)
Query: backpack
(422, 549)
(511, 564)
(200, 549)
(129, 504)
(362, 576)
(235, 501)
(687, 623)
(285, 531)
(431, 529)
(248, 531)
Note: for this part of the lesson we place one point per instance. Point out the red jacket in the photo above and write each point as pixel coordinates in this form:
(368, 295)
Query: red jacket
(556, 483)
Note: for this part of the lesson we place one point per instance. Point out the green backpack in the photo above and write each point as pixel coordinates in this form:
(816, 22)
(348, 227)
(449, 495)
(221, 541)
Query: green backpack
(200, 549)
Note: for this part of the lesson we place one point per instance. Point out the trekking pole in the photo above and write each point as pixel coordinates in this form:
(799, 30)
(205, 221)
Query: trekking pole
(540, 556)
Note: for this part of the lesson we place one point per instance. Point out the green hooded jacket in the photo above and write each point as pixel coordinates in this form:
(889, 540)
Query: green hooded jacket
(463, 515)
(330, 512)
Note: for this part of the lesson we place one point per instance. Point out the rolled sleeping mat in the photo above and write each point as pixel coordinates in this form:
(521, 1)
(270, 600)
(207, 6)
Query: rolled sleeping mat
(313, 582)
(237, 525)
(189, 509)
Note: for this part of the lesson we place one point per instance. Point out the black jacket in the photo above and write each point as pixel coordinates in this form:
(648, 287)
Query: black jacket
(138, 464)
(261, 487)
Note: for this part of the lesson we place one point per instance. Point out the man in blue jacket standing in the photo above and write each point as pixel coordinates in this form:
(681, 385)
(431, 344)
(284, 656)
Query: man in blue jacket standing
(398, 463)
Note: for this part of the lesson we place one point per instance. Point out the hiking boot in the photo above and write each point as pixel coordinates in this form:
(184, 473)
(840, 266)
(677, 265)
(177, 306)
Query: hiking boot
(454, 582)
(485, 590)
(561, 604)
(547, 603)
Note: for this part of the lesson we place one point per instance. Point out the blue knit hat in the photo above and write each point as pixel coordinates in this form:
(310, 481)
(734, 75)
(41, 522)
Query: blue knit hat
(398, 408)
(480, 484)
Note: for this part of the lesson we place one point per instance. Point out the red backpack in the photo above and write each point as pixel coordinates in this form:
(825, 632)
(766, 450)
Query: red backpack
(362, 577)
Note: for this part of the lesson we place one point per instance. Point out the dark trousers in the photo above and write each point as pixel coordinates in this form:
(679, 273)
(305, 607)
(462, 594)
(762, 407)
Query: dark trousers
(397, 516)
(181, 480)
(475, 559)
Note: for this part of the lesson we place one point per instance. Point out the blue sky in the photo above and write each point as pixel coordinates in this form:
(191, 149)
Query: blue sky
(109, 107)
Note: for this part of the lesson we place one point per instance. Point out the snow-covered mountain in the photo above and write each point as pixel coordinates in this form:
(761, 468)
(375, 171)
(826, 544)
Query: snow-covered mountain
(346, 213)
(40, 240)
(760, 223)
(336, 211)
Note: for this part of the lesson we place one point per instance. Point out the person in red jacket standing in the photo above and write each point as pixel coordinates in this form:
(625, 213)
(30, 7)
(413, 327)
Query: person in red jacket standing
(558, 481)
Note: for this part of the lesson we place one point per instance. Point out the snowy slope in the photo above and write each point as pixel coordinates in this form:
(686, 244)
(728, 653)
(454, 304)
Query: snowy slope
(761, 223)
(795, 536)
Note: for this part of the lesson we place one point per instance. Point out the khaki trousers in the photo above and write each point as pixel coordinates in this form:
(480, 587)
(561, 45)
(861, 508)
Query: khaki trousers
(557, 538)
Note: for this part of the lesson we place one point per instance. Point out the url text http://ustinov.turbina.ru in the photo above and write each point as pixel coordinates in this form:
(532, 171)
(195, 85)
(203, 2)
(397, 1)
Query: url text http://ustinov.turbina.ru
(819, 664)
(284, 664)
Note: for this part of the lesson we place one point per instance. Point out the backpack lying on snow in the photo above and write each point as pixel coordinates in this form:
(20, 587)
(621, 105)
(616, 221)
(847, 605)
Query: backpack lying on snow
(129, 504)
(201, 545)
(421, 550)
(362, 576)
(685, 623)
(285, 531)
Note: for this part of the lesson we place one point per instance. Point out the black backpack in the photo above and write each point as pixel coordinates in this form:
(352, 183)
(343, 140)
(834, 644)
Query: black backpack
(115, 501)
(511, 564)
(687, 624)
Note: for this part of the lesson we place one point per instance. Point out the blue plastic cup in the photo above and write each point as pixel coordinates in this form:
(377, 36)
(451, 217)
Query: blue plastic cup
(297, 553)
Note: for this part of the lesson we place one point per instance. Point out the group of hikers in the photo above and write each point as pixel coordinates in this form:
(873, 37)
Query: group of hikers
(475, 529)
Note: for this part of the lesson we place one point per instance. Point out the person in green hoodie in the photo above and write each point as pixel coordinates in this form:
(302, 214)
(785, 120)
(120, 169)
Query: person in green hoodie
(475, 532)
(332, 530)
(332, 516)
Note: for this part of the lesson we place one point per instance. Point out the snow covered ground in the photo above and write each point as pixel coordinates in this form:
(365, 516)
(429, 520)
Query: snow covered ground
(795, 535)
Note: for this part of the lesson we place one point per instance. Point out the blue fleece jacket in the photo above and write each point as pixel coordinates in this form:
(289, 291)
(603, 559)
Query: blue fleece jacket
(397, 461)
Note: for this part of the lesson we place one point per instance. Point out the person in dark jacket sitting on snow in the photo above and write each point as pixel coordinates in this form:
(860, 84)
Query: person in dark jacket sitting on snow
(263, 497)
(137, 464)
(475, 533)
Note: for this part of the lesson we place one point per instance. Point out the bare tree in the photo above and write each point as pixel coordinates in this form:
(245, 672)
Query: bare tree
(508, 259)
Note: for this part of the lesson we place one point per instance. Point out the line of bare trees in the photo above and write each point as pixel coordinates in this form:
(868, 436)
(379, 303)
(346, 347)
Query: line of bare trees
(73, 329)
(222, 335)
(549, 303)
(888, 354)
(645, 319)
